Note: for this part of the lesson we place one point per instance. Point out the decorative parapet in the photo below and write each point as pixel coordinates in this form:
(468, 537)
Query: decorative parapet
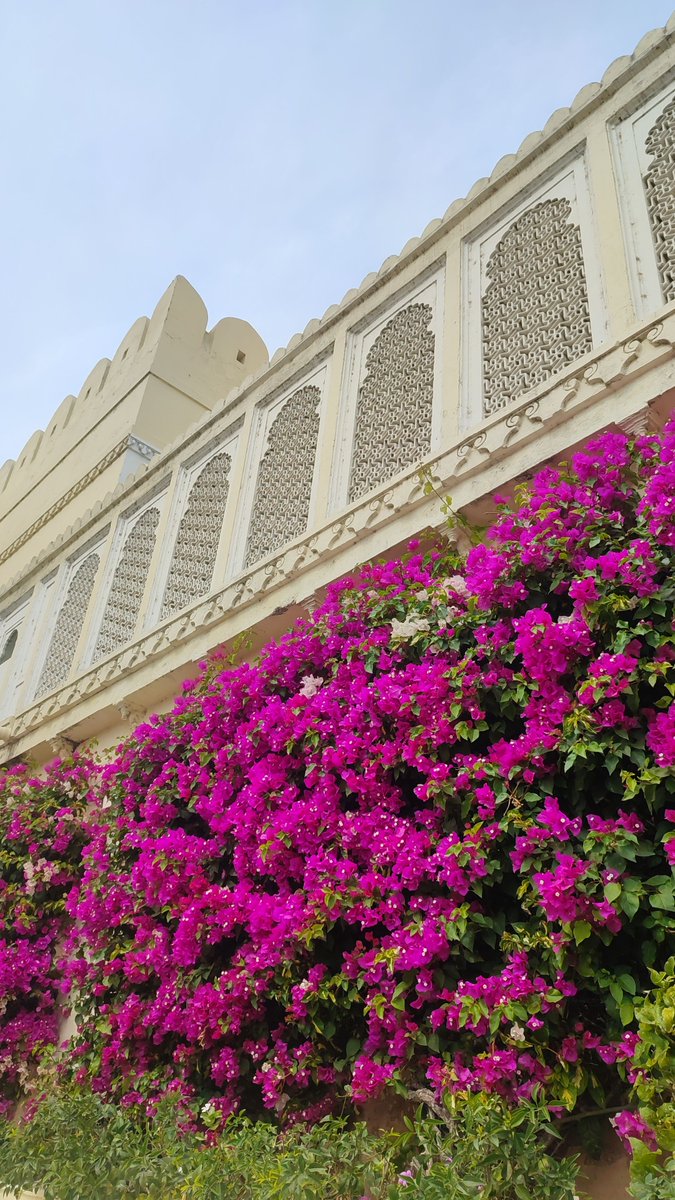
(513, 443)
(513, 329)
(168, 371)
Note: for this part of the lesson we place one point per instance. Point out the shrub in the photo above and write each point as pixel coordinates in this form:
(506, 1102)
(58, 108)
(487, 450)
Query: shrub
(651, 1130)
(81, 1148)
(42, 832)
(424, 840)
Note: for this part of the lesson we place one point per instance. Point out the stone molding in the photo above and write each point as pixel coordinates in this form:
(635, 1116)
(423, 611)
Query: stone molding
(142, 448)
(128, 443)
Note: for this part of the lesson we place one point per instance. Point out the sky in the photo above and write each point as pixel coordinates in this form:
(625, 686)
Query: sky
(274, 152)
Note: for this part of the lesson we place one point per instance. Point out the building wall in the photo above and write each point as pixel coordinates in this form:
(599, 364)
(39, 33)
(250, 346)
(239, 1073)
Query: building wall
(167, 374)
(175, 504)
(194, 491)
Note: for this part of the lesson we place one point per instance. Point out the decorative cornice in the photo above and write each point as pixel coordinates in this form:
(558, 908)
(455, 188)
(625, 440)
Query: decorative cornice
(62, 746)
(143, 448)
(556, 402)
(128, 443)
(131, 713)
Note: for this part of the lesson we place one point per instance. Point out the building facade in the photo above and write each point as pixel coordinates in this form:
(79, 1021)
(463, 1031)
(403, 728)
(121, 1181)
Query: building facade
(194, 491)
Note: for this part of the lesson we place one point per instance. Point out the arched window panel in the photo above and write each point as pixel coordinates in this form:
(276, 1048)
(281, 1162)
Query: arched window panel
(659, 183)
(198, 536)
(68, 627)
(533, 296)
(535, 310)
(644, 152)
(394, 401)
(283, 490)
(127, 587)
(15, 643)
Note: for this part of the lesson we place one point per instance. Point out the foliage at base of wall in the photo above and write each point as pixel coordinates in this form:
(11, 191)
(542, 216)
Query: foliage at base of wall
(80, 1148)
(424, 842)
(653, 1072)
(652, 1180)
(42, 833)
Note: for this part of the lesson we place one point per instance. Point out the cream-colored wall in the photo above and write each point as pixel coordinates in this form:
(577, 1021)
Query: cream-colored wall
(175, 387)
(166, 374)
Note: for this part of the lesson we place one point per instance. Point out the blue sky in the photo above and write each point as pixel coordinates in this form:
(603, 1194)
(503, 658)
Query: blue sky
(273, 152)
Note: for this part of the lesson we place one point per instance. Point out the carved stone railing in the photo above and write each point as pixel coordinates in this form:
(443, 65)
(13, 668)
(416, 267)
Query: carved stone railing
(513, 443)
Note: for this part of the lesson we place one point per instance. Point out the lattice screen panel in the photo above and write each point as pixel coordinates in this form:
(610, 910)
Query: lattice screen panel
(395, 399)
(284, 485)
(120, 615)
(196, 546)
(68, 627)
(535, 308)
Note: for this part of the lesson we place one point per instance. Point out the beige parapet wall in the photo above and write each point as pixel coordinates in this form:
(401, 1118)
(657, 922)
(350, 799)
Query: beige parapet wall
(194, 491)
(167, 372)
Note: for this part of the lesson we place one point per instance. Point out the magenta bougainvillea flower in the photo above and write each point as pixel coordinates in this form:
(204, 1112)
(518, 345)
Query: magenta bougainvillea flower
(424, 840)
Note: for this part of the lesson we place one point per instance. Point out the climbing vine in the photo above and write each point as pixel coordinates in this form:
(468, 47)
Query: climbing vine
(424, 842)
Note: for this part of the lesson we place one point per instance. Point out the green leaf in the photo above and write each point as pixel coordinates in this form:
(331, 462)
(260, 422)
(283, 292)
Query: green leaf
(628, 983)
(663, 899)
(616, 991)
(626, 1011)
(630, 904)
(581, 930)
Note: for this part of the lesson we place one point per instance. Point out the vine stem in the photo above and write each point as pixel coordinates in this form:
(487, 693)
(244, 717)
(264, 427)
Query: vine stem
(425, 1096)
(592, 1112)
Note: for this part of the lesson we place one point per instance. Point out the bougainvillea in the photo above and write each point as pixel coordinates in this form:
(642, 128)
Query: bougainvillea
(425, 840)
(42, 831)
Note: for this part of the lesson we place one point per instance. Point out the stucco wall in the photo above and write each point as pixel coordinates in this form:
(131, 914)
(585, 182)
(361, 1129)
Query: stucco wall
(182, 500)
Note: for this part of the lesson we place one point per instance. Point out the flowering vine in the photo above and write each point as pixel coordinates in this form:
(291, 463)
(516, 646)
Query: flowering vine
(425, 840)
(42, 831)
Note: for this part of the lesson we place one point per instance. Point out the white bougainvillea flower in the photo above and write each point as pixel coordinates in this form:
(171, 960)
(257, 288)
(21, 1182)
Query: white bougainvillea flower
(457, 584)
(310, 685)
(409, 627)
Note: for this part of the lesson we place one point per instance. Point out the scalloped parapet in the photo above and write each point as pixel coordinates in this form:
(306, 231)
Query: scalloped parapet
(167, 372)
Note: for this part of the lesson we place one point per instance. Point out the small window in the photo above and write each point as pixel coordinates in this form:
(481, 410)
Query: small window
(8, 648)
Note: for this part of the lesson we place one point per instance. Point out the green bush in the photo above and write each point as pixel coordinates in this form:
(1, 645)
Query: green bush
(78, 1147)
(653, 1171)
